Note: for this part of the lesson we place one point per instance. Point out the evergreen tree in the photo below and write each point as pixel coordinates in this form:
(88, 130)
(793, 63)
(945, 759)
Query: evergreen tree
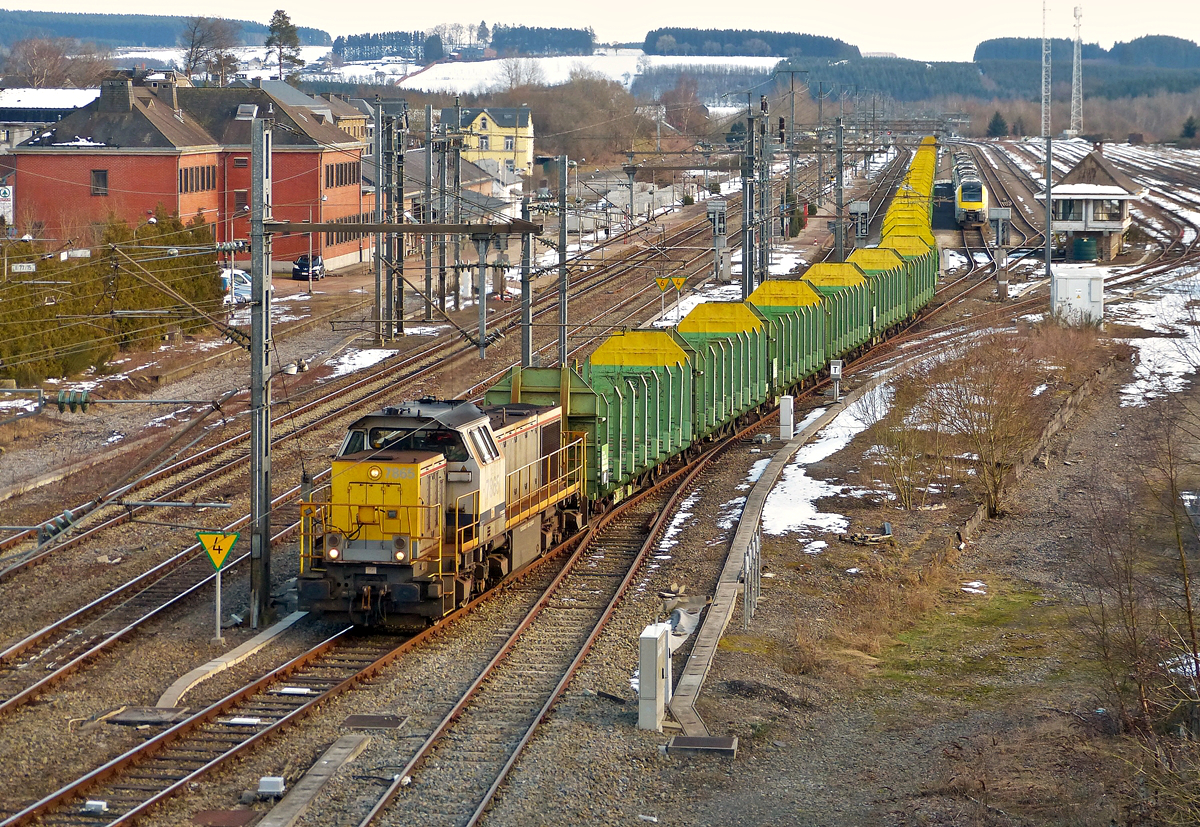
(433, 48)
(283, 39)
(997, 126)
(1189, 127)
(483, 34)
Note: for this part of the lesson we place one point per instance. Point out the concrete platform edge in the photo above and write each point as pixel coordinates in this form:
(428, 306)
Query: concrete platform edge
(177, 690)
(691, 679)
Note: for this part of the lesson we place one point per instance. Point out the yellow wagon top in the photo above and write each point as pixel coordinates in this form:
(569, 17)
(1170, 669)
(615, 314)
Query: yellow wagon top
(784, 293)
(640, 348)
(720, 317)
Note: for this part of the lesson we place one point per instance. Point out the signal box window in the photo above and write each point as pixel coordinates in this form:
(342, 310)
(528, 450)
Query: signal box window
(99, 182)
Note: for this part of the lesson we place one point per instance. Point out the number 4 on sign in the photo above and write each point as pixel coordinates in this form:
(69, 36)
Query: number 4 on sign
(217, 545)
(678, 281)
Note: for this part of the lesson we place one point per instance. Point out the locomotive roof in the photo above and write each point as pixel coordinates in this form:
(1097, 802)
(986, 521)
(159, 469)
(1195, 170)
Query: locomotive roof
(450, 413)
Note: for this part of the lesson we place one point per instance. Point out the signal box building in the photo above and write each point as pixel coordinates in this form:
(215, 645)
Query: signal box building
(157, 143)
(1090, 204)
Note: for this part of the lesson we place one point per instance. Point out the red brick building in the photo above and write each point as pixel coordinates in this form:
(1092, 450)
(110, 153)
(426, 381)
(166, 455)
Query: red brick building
(155, 143)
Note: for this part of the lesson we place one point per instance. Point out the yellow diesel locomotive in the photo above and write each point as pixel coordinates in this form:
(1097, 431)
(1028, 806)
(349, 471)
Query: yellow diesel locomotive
(432, 502)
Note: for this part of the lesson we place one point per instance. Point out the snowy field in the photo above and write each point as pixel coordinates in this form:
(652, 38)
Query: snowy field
(621, 65)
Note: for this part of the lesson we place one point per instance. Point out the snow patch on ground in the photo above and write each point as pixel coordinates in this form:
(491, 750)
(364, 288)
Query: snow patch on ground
(791, 505)
(354, 359)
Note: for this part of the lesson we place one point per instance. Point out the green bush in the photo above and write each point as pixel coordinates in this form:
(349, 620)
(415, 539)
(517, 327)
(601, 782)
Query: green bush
(68, 315)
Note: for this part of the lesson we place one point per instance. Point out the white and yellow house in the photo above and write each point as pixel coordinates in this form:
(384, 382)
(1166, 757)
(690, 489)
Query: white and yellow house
(500, 135)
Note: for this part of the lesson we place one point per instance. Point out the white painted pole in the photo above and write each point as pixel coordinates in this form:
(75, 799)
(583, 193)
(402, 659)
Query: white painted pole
(217, 635)
(786, 415)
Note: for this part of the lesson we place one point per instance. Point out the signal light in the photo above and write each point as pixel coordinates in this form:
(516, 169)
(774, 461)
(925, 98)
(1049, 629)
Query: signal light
(782, 138)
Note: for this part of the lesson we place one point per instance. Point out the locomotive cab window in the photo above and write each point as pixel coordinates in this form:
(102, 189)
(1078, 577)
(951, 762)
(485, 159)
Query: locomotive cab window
(972, 191)
(355, 441)
(485, 446)
(445, 442)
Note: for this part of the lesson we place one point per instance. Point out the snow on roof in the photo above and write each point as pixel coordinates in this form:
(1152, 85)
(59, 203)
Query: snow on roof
(22, 98)
(1092, 191)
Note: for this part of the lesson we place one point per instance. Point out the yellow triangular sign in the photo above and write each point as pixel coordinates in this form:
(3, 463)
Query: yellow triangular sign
(678, 281)
(662, 284)
(217, 545)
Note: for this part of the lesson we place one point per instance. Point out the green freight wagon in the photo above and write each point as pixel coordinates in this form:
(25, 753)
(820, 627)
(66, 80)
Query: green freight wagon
(848, 305)
(735, 373)
(923, 263)
(888, 275)
(584, 411)
(646, 379)
(797, 315)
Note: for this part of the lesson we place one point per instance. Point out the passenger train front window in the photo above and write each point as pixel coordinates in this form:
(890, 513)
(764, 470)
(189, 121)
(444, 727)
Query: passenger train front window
(440, 441)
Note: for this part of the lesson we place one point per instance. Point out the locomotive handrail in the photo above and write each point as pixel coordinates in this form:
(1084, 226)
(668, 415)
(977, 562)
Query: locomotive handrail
(571, 463)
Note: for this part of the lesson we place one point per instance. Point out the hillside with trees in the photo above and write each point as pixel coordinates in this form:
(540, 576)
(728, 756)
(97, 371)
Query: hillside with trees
(148, 30)
(672, 41)
(534, 40)
(377, 46)
(1154, 51)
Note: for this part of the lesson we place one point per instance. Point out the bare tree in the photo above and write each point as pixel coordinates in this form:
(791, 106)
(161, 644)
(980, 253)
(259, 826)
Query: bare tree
(203, 39)
(41, 62)
(984, 397)
(909, 438)
(518, 72)
(61, 61)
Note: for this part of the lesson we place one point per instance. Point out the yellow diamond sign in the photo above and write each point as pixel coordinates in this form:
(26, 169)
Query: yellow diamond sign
(678, 281)
(662, 284)
(217, 545)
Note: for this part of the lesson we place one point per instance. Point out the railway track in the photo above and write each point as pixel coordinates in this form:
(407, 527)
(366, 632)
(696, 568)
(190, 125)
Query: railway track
(553, 634)
(33, 664)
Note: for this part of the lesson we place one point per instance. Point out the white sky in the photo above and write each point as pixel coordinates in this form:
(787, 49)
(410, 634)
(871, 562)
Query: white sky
(921, 29)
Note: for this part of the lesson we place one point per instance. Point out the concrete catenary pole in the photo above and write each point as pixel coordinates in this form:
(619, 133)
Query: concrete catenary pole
(526, 290)
(260, 374)
(428, 212)
(839, 227)
(379, 199)
(562, 260)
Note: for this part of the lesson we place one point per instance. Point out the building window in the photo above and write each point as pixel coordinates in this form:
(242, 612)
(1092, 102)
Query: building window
(510, 143)
(1106, 210)
(241, 162)
(483, 143)
(510, 166)
(99, 182)
(483, 123)
(241, 200)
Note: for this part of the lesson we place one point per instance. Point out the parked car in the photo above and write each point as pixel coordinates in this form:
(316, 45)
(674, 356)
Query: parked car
(236, 286)
(300, 268)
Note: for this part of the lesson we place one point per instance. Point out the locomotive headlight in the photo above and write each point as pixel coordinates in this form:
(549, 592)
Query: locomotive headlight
(332, 554)
(399, 556)
(374, 472)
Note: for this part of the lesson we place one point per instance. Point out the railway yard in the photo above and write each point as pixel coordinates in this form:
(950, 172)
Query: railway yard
(928, 678)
